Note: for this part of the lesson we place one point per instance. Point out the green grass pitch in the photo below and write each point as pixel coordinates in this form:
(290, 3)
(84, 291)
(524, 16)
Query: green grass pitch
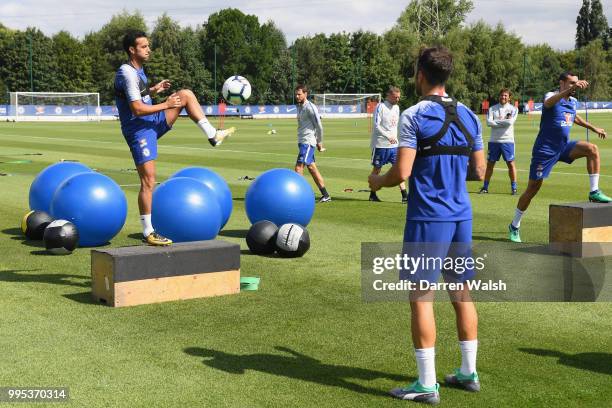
(305, 338)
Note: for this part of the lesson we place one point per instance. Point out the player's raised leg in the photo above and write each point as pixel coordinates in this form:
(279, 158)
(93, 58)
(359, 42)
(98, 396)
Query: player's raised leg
(591, 152)
(188, 100)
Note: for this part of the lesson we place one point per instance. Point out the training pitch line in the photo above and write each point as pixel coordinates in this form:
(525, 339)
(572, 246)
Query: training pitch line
(208, 150)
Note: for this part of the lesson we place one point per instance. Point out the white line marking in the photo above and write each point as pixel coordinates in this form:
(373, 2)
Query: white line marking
(206, 149)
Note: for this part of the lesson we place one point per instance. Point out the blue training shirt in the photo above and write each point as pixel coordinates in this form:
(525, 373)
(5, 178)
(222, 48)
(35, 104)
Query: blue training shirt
(438, 191)
(130, 86)
(555, 126)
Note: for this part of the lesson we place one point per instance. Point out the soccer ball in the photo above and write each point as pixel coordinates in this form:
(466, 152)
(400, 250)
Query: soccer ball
(236, 90)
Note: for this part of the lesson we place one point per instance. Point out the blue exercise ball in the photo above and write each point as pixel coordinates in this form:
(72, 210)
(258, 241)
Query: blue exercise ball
(94, 203)
(281, 196)
(48, 180)
(185, 209)
(216, 183)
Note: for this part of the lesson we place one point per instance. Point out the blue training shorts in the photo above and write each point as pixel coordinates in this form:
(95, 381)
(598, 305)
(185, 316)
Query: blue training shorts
(143, 142)
(305, 154)
(542, 165)
(439, 240)
(382, 156)
(497, 150)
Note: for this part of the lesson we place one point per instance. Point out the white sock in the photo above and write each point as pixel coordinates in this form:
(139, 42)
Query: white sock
(468, 356)
(207, 128)
(147, 227)
(426, 363)
(518, 214)
(594, 179)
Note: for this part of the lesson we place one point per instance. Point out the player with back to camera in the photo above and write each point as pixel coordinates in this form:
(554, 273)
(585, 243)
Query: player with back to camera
(142, 122)
(553, 145)
(438, 138)
(310, 136)
(501, 118)
(384, 137)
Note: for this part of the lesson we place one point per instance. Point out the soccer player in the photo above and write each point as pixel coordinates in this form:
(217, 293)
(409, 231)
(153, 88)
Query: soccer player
(553, 145)
(438, 138)
(384, 137)
(310, 135)
(500, 119)
(142, 123)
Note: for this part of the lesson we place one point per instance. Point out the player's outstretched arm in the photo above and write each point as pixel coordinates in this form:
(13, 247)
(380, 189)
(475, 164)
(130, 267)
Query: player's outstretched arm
(552, 101)
(581, 122)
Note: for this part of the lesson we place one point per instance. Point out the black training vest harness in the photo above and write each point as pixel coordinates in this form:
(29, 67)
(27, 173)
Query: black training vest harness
(430, 147)
(142, 87)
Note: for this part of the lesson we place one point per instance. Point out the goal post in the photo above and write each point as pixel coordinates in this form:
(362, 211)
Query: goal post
(55, 106)
(337, 105)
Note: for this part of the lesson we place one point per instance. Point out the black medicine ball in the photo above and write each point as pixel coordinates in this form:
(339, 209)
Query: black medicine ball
(61, 237)
(292, 241)
(261, 237)
(34, 223)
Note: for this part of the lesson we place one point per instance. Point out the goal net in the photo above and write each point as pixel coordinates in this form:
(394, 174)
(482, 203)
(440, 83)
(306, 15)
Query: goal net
(54, 106)
(333, 105)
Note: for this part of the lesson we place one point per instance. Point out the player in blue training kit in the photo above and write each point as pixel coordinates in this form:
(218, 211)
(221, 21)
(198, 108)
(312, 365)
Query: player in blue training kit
(553, 145)
(142, 123)
(438, 139)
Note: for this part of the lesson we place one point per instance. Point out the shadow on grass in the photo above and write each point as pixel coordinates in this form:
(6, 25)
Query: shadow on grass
(13, 231)
(137, 236)
(12, 275)
(595, 362)
(248, 252)
(17, 235)
(83, 297)
(235, 233)
(485, 238)
(295, 365)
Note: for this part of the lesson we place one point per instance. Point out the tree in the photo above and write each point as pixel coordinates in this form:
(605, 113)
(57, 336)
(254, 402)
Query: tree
(164, 62)
(598, 24)
(432, 19)
(583, 30)
(378, 69)
(74, 66)
(196, 76)
(591, 24)
(596, 70)
(241, 46)
(310, 60)
(403, 45)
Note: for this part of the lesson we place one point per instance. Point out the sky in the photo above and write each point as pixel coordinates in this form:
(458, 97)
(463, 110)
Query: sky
(535, 21)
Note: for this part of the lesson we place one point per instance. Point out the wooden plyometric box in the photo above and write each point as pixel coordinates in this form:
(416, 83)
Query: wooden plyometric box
(581, 229)
(139, 275)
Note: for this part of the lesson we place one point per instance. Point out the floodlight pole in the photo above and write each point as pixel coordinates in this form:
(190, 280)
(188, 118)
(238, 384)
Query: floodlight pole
(293, 73)
(586, 114)
(524, 72)
(30, 61)
(216, 92)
